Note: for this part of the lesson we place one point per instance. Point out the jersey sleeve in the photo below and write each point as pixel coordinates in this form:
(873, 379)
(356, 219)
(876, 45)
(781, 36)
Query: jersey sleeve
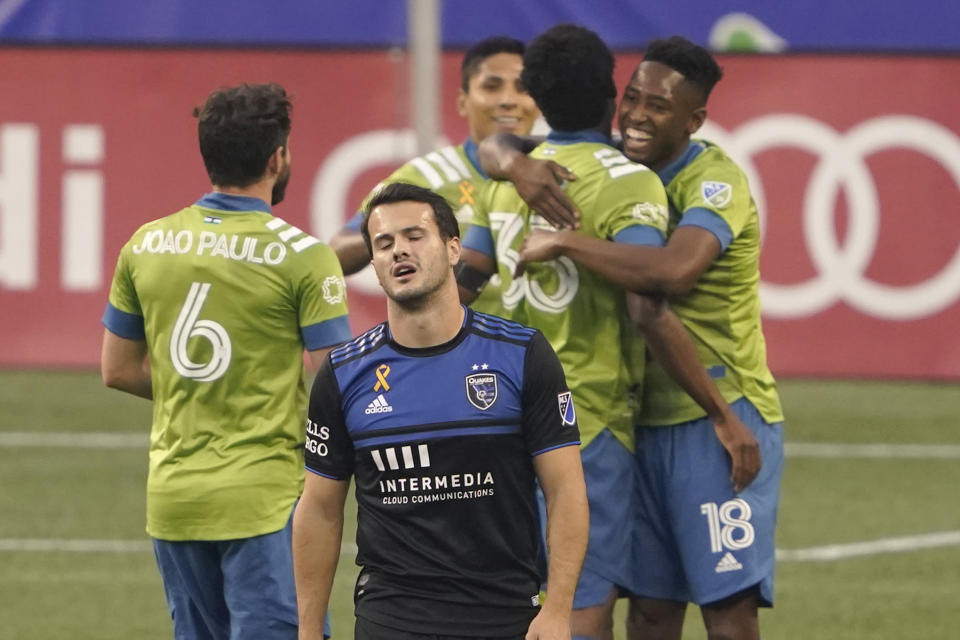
(549, 417)
(322, 300)
(412, 173)
(123, 315)
(633, 198)
(717, 198)
(328, 451)
(479, 236)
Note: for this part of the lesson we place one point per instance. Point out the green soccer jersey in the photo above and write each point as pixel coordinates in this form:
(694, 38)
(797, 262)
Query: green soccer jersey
(454, 173)
(722, 312)
(581, 314)
(227, 297)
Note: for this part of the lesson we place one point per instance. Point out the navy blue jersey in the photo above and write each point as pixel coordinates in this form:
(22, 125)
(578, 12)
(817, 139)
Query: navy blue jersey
(441, 442)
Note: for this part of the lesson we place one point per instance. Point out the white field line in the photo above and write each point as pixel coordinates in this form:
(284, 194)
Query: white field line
(871, 450)
(831, 552)
(80, 440)
(101, 546)
(121, 440)
(825, 553)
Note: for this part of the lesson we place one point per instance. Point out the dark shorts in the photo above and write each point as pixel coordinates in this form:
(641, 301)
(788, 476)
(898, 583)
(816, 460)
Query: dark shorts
(367, 630)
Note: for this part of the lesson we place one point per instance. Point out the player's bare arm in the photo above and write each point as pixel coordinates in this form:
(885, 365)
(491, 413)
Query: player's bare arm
(473, 271)
(672, 270)
(539, 182)
(317, 534)
(351, 250)
(561, 477)
(125, 365)
(671, 345)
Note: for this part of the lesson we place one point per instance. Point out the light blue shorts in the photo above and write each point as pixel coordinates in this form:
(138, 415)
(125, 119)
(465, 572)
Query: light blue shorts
(608, 469)
(231, 589)
(696, 540)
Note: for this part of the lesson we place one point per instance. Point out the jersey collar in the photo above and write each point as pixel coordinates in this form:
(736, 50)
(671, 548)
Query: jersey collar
(670, 172)
(436, 349)
(228, 202)
(573, 137)
(470, 149)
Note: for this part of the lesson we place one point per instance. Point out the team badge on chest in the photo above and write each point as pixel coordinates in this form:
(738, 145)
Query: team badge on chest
(482, 390)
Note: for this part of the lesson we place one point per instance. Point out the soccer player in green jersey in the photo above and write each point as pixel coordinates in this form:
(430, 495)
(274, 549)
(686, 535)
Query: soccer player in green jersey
(700, 539)
(210, 311)
(569, 72)
(493, 100)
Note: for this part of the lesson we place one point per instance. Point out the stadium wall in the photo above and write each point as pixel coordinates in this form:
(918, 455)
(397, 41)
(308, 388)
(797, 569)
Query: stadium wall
(855, 161)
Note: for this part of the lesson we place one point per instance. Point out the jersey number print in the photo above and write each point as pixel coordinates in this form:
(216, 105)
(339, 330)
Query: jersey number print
(188, 326)
(510, 226)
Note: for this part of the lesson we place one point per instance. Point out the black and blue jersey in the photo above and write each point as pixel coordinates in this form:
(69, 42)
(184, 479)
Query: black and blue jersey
(441, 442)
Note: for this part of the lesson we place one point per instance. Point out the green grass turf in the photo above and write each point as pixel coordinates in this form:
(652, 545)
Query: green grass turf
(64, 492)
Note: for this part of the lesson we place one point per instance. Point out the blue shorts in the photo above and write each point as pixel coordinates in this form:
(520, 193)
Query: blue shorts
(231, 589)
(696, 540)
(608, 469)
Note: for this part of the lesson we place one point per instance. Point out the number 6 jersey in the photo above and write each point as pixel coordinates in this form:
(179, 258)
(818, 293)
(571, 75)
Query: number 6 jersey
(227, 297)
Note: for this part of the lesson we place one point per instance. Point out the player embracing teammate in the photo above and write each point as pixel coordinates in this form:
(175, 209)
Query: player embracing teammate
(707, 468)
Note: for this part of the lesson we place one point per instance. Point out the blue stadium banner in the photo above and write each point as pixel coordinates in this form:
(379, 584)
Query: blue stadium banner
(752, 25)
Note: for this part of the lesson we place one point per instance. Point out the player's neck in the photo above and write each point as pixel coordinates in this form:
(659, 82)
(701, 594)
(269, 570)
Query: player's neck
(262, 190)
(673, 157)
(433, 323)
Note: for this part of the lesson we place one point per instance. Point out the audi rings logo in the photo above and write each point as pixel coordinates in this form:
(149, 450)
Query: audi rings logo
(842, 165)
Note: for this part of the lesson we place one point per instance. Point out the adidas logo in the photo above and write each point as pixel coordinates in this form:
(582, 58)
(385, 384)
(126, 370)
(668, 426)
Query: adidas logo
(379, 405)
(728, 563)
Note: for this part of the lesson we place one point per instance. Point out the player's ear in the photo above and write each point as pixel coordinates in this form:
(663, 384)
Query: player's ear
(454, 249)
(277, 160)
(462, 103)
(696, 120)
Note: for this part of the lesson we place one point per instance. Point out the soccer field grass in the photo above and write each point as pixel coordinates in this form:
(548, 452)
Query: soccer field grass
(76, 563)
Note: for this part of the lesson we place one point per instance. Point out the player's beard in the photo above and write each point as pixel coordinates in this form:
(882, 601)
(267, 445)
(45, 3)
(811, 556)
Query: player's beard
(414, 299)
(280, 187)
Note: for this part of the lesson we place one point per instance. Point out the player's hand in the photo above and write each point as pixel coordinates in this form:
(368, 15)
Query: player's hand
(539, 246)
(548, 627)
(743, 448)
(539, 182)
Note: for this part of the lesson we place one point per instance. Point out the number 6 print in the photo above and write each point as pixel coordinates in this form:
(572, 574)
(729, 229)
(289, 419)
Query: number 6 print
(187, 327)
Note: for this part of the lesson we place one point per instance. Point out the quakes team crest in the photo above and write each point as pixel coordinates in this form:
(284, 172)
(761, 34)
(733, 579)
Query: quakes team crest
(567, 413)
(718, 194)
(482, 390)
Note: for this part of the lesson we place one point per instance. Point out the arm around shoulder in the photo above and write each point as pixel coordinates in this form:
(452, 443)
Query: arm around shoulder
(498, 152)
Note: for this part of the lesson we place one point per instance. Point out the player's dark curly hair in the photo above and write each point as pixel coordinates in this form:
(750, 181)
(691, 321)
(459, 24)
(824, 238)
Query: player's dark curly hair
(404, 192)
(568, 70)
(239, 129)
(692, 61)
(479, 52)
